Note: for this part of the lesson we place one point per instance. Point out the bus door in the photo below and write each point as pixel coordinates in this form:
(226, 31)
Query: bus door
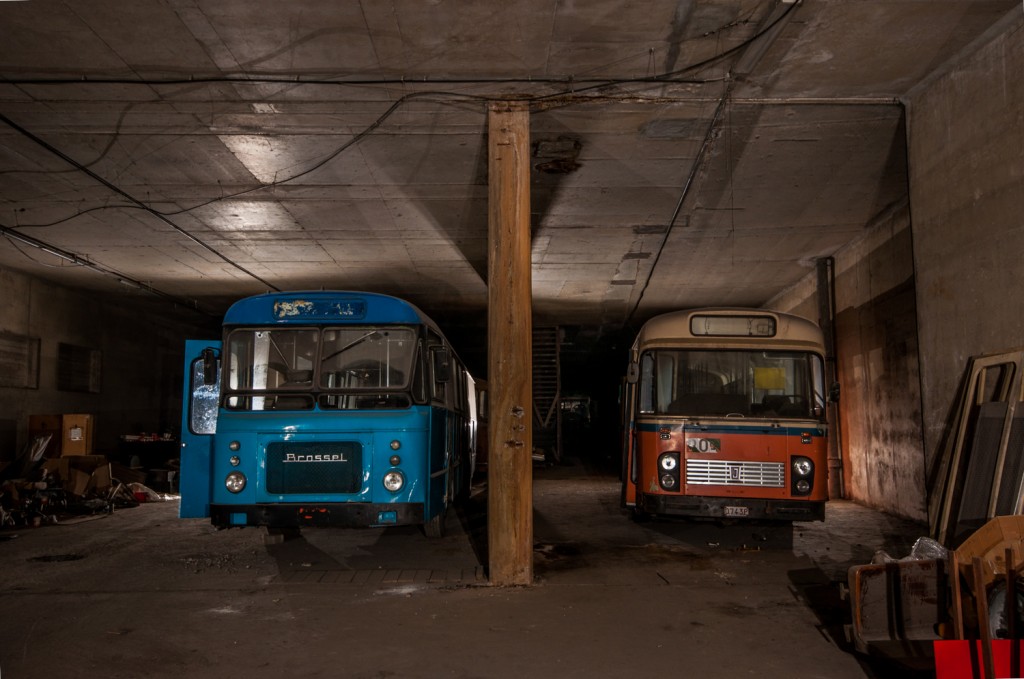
(629, 436)
(442, 453)
(200, 402)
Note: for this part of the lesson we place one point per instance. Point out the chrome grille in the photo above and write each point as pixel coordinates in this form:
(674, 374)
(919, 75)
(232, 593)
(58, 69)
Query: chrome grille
(298, 467)
(735, 473)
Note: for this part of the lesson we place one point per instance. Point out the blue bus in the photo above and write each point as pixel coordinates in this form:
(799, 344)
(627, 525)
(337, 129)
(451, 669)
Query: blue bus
(326, 409)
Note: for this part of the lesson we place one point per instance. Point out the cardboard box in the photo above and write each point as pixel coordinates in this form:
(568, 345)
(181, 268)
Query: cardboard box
(59, 467)
(72, 433)
(76, 435)
(77, 482)
(127, 475)
(41, 425)
(81, 474)
(100, 479)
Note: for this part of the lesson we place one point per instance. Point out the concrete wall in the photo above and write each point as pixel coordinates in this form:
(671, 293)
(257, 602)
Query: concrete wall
(879, 370)
(140, 340)
(966, 133)
(926, 289)
(877, 365)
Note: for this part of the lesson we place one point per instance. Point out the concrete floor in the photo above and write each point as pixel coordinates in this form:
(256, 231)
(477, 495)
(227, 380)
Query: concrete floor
(143, 593)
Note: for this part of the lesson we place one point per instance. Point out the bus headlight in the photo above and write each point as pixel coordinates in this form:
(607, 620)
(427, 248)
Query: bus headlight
(668, 470)
(802, 481)
(394, 480)
(235, 482)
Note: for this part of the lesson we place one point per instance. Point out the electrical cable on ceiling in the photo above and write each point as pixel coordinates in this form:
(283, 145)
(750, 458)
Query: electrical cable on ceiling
(575, 80)
(78, 260)
(574, 93)
(60, 154)
(398, 103)
(698, 162)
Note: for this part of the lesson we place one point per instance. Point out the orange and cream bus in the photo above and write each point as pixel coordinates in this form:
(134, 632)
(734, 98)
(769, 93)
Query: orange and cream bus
(724, 414)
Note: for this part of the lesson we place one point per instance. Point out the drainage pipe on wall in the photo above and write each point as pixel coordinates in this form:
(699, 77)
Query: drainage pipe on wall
(826, 319)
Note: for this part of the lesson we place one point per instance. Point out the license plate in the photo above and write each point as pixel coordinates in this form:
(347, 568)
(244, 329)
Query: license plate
(737, 511)
(314, 516)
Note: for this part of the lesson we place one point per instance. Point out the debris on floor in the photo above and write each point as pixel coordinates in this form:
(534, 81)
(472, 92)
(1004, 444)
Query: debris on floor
(37, 491)
(945, 602)
(143, 493)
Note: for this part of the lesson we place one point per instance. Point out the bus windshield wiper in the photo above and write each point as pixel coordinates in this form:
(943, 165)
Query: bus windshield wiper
(358, 340)
(273, 343)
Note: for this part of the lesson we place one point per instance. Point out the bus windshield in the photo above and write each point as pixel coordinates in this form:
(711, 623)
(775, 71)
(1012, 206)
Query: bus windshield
(367, 358)
(294, 367)
(732, 383)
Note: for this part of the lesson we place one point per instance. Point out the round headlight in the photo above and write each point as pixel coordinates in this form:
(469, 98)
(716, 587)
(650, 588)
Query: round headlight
(393, 481)
(803, 486)
(668, 481)
(802, 466)
(235, 482)
(395, 460)
(668, 462)
(235, 460)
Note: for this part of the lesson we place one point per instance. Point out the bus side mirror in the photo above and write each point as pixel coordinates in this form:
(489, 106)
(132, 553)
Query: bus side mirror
(633, 373)
(833, 393)
(209, 366)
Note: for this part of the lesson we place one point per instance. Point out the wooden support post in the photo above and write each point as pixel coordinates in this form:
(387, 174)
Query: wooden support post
(958, 606)
(1011, 612)
(509, 347)
(981, 608)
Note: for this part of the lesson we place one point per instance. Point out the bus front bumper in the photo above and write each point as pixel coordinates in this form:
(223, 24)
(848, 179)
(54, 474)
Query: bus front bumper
(729, 507)
(338, 514)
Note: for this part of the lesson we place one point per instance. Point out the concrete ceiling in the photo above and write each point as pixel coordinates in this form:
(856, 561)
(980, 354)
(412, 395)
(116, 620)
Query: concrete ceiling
(685, 153)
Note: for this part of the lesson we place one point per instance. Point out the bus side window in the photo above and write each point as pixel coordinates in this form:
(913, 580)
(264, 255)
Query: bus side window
(204, 397)
(481, 403)
(646, 386)
(463, 391)
(419, 379)
(441, 364)
(818, 385)
(459, 391)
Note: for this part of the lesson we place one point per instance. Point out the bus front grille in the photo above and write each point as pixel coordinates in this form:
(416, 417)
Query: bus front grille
(735, 473)
(303, 467)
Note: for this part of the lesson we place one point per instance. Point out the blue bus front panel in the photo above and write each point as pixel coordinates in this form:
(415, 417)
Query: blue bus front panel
(295, 468)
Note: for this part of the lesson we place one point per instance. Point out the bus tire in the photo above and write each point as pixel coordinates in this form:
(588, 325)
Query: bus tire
(640, 515)
(434, 527)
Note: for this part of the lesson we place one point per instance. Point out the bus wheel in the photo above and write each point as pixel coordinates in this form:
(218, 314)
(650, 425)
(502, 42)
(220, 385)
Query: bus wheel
(640, 516)
(434, 527)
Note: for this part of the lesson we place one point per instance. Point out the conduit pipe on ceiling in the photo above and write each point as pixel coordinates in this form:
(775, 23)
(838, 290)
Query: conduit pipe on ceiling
(78, 260)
